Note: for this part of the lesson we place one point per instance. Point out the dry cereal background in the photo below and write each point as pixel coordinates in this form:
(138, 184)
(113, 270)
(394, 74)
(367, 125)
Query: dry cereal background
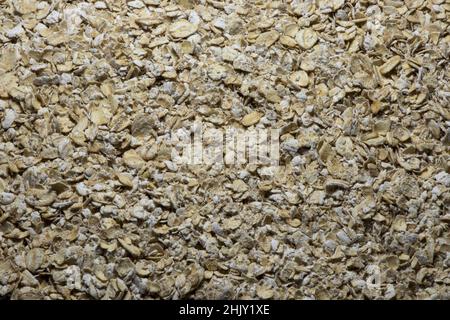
(92, 205)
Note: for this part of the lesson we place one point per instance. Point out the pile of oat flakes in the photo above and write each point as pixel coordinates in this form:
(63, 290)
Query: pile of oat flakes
(93, 207)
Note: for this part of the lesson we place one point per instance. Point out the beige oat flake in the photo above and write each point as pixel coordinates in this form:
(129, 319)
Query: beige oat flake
(182, 29)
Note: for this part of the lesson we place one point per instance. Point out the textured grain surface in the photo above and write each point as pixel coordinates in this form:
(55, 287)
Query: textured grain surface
(93, 205)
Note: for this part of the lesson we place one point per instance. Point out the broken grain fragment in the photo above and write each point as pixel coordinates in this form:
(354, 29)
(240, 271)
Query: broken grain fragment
(132, 249)
(306, 38)
(251, 118)
(132, 159)
(182, 29)
(390, 64)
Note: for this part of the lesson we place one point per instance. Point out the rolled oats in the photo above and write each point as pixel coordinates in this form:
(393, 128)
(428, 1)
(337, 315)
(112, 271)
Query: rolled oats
(102, 198)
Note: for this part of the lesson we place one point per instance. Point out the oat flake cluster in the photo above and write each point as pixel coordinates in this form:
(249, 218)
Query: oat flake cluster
(93, 207)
